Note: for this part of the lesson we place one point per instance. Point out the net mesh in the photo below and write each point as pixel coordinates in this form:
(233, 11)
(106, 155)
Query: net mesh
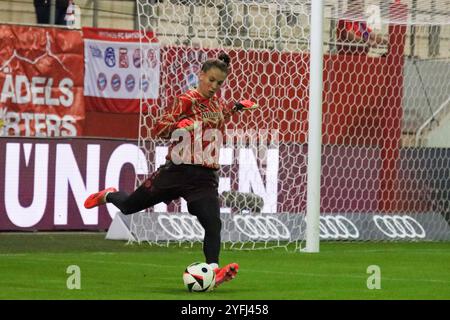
(385, 155)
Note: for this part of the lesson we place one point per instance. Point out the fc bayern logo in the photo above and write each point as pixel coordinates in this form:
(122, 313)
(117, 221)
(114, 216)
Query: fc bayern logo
(130, 82)
(144, 83)
(115, 82)
(96, 52)
(110, 57)
(101, 81)
(152, 58)
(137, 58)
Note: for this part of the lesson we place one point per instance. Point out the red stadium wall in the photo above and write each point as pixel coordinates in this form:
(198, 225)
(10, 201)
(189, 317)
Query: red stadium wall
(113, 125)
(362, 94)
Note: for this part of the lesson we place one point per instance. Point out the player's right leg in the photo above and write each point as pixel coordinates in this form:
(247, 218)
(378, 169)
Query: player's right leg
(142, 198)
(139, 200)
(147, 195)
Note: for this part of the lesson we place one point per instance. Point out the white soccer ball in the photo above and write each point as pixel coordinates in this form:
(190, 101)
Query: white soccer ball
(199, 277)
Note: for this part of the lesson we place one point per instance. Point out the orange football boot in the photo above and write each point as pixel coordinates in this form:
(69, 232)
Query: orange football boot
(226, 273)
(97, 198)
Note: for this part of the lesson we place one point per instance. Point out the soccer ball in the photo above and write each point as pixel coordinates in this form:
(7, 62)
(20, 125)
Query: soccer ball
(199, 277)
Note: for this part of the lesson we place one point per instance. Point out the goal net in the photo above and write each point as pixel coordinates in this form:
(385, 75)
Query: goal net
(385, 152)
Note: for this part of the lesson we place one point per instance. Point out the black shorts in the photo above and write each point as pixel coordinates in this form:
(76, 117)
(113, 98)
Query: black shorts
(192, 182)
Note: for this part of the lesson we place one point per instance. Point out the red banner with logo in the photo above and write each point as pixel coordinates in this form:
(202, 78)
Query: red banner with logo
(122, 67)
(41, 81)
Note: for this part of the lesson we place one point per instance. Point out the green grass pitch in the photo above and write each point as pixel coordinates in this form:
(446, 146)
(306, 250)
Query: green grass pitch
(34, 266)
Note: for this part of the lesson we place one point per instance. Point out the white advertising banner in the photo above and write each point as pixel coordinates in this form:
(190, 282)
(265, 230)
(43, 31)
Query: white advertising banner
(122, 67)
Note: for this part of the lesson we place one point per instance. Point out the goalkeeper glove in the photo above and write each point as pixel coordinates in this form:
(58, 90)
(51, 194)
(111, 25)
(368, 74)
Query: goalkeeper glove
(245, 105)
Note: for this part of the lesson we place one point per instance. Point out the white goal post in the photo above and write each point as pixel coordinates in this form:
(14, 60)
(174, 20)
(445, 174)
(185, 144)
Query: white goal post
(314, 129)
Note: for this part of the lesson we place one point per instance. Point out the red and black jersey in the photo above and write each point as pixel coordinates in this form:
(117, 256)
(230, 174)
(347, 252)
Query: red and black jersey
(211, 113)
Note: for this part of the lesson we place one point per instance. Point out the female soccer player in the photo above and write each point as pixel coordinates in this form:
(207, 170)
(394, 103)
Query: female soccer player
(193, 177)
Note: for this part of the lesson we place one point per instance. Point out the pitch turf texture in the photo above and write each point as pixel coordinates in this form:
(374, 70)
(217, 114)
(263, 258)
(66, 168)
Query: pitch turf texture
(34, 266)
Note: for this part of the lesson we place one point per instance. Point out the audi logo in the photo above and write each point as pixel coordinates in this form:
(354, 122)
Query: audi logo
(337, 226)
(265, 227)
(397, 226)
(181, 227)
(261, 227)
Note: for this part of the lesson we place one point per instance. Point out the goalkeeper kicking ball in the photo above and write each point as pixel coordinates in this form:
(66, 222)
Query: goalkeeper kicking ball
(199, 277)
